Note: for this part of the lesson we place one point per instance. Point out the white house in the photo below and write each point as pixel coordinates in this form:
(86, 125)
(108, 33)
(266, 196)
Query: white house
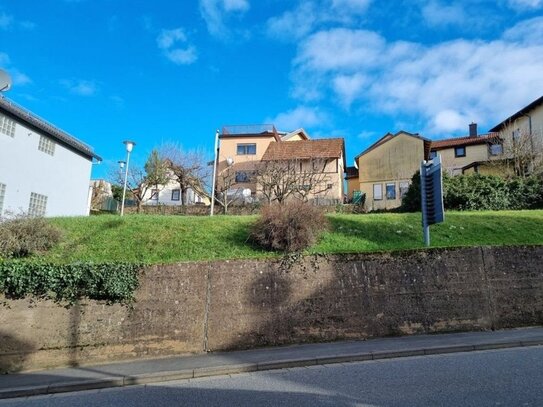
(44, 171)
(170, 195)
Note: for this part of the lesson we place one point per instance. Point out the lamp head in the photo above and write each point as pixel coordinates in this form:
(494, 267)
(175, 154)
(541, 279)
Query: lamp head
(129, 145)
(121, 164)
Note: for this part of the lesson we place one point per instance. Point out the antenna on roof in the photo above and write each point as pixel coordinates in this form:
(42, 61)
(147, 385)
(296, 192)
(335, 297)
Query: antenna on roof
(5, 81)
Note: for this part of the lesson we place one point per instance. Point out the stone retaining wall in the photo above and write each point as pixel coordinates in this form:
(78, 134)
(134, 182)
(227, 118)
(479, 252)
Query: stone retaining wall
(210, 306)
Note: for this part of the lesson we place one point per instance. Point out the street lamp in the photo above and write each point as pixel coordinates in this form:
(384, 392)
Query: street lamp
(129, 146)
(214, 180)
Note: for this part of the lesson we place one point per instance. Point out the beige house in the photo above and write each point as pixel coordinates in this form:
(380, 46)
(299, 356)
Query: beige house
(468, 154)
(385, 169)
(522, 135)
(245, 150)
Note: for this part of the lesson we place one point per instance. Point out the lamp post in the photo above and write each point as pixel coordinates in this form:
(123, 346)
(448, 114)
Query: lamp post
(214, 174)
(129, 146)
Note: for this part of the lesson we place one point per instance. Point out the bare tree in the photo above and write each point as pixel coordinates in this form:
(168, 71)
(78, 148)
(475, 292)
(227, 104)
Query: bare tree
(280, 179)
(224, 194)
(187, 168)
(519, 153)
(313, 179)
(100, 191)
(136, 183)
(276, 180)
(157, 174)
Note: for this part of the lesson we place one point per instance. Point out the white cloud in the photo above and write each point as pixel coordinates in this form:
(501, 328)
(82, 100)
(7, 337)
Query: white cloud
(27, 25)
(80, 87)
(525, 4)
(445, 85)
(341, 48)
(5, 21)
(214, 12)
(4, 59)
(20, 78)
(293, 24)
(302, 116)
(308, 14)
(437, 14)
(527, 31)
(349, 87)
(168, 39)
(351, 6)
(17, 77)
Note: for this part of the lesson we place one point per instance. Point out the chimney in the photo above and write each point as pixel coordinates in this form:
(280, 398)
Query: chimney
(473, 129)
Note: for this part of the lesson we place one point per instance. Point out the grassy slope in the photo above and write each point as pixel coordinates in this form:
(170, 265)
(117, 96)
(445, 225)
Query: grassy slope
(167, 239)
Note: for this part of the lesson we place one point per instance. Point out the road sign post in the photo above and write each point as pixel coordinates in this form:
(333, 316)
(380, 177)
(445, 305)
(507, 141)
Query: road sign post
(431, 191)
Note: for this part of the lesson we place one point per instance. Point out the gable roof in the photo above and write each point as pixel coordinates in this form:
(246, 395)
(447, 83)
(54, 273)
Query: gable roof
(518, 114)
(301, 132)
(463, 141)
(305, 149)
(49, 129)
(390, 136)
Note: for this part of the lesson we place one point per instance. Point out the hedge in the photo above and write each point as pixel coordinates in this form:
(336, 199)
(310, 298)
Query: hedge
(481, 192)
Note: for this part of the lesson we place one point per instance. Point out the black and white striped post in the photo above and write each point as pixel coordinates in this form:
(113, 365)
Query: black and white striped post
(431, 191)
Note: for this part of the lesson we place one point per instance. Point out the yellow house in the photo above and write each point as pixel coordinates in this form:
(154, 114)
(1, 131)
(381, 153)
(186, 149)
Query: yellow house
(522, 135)
(468, 154)
(243, 149)
(385, 168)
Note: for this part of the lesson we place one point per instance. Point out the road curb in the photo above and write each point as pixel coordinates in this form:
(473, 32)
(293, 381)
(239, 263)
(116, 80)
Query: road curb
(147, 378)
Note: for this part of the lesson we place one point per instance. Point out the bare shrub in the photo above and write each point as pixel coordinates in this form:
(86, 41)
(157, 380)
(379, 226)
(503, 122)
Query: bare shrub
(22, 235)
(290, 227)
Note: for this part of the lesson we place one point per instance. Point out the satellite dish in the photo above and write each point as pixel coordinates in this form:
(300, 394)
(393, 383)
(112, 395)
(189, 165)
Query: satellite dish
(229, 161)
(246, 192)
(5, 81)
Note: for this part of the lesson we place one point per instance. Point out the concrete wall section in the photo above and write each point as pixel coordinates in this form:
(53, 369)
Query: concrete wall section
(197, 307)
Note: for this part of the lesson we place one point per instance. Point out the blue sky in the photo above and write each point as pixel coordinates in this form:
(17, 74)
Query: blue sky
(163, 71)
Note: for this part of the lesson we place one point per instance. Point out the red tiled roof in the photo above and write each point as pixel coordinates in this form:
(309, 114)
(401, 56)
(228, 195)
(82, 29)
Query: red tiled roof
(304, 149)
(463, 141)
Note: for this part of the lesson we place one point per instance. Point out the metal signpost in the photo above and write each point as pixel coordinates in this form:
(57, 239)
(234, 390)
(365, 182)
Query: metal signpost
(431, 191)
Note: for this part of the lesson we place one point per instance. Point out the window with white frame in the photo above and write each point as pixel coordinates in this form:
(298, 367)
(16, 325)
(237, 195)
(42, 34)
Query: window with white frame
(7, 126)
(391, 190)
(46, 145)
(38, 204)
(377, 192)
(176, 194)
(2, 195)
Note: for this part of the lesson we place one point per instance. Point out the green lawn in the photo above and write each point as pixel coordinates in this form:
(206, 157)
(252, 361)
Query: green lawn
(167, 239)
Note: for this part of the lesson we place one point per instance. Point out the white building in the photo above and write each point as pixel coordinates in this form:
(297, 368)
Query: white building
(44, 171)
(170, 195)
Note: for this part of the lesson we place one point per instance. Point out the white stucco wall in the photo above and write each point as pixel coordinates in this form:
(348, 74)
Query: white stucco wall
(63, 177)
(165, 196)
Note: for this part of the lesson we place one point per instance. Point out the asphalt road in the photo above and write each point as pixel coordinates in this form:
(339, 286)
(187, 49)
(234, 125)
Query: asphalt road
(509, 377)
